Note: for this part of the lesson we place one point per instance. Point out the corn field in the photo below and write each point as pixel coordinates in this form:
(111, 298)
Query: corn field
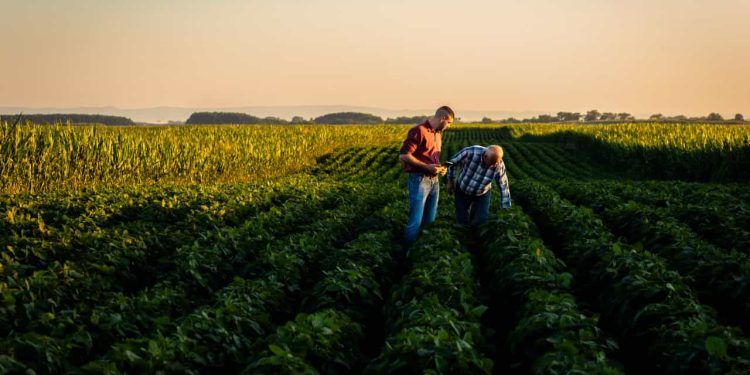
(696, 152)
(36, 158)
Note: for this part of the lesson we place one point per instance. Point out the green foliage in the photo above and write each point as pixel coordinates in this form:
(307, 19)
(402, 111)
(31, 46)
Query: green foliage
(550, 334)
(646, 302)
(326, 339)
(433, 315)
(305, 273)
(720, 276)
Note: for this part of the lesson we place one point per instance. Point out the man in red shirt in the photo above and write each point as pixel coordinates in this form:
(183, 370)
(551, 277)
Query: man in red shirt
(420, 154)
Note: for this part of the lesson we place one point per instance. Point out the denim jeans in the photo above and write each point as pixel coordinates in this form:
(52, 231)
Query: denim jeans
(471, 209)
(423, 201)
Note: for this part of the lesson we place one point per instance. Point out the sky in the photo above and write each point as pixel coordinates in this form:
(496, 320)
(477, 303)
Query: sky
(674, 57)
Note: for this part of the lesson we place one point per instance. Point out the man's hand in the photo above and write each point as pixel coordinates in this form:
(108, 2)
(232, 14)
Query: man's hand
(433, 168)
(450, 186)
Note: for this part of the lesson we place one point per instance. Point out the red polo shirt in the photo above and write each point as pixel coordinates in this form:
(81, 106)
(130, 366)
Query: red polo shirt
(424, 143)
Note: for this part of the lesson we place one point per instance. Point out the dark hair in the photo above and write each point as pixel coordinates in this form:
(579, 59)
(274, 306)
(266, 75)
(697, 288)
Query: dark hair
(445, 111)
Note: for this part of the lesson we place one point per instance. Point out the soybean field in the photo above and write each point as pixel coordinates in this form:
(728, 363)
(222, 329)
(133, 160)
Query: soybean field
(277, 249)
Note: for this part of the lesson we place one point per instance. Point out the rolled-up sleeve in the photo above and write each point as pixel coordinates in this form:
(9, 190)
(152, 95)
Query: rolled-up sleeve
(502, 181)
(412, 141)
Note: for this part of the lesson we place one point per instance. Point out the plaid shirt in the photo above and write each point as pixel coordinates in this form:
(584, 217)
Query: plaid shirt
(475, 177)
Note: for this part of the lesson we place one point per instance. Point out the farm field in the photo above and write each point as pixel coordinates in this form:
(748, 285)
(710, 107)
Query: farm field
(277, 249)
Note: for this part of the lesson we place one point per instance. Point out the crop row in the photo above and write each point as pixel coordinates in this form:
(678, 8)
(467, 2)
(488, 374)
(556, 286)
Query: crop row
(374, 163)
(66, 339)
(717, 215)
(540, 161)
(659, 321)
(721, 277)
(433, 314)
(341, 311)
(79, 287)
(533, 305)
(37, 231)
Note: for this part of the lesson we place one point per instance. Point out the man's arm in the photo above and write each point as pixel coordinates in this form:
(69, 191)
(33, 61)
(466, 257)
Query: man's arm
(502, 181)
(410, 159)
(458, 158)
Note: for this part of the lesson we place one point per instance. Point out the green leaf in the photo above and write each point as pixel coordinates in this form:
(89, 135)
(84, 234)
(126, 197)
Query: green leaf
(616, 249)
(275, 349)
(716, 347)
(479, 310)
(153, 348)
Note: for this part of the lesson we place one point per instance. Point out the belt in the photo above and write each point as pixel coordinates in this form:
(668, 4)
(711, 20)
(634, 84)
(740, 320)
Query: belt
(458, 189)
(423, 174)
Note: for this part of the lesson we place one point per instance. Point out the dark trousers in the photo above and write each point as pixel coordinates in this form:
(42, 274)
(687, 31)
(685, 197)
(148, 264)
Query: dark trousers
(471, 209)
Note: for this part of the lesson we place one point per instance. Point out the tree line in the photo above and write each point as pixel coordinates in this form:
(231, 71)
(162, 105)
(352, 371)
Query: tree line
(596, 116)
(366, 118)
(64, 118)
(359, 118)
(337, 118)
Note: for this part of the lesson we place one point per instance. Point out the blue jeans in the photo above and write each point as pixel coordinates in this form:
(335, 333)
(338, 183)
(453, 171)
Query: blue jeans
(423, 201)
(471, 209)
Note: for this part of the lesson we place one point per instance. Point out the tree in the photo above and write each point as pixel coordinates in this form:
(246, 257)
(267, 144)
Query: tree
(592, 115)
(299, 120)
(568, 116)
(624, 116)
(486, 120)
(656, 117)
(274, 120)
(713, 116)
(679, 118)
(608, 116)
(546, 118)
(739, 117)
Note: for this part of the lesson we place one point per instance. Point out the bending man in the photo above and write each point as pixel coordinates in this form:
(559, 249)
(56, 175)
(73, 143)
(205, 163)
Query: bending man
(479, 167)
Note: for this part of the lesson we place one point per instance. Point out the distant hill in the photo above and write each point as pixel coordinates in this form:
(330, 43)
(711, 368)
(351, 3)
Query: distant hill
(231, 118)
(222, 118)
(348, 118)
(73, 118)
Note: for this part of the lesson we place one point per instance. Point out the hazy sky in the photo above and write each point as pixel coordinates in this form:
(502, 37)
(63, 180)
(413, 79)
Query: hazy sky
(640, 56)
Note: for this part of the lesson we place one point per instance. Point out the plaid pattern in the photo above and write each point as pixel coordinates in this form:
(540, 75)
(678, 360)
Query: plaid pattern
(476, 178)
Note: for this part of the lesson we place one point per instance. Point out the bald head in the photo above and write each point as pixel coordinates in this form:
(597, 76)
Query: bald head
(493, 155)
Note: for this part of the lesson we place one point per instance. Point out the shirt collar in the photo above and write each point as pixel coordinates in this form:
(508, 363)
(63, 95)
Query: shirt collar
(427, 125)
